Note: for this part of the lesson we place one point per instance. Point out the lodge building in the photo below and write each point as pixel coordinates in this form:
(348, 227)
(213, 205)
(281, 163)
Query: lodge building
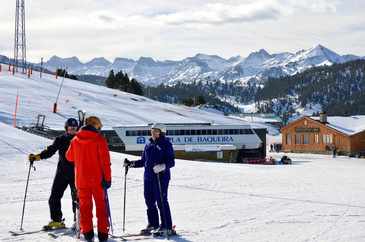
(200, 140)
(324, 134)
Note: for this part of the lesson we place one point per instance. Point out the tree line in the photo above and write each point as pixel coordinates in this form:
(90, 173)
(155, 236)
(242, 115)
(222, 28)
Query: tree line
(121, 82)
(338, 89)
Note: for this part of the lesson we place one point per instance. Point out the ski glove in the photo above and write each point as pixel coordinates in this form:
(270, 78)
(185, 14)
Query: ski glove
(158, 168)
(33, 157)
(106, 184)
(128, 163)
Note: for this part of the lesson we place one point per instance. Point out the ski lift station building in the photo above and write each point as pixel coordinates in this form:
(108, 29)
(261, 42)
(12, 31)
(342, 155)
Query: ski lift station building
(198, 140)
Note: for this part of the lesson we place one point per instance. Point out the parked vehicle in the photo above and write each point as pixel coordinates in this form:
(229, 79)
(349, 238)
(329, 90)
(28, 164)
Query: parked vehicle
(285, 160)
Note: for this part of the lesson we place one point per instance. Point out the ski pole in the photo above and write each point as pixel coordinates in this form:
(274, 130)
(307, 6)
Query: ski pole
(107, 207)
(25, 195)
(162, 204)
(125, 195)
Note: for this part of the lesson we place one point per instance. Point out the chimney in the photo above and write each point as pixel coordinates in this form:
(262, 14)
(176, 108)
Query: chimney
(323, 117)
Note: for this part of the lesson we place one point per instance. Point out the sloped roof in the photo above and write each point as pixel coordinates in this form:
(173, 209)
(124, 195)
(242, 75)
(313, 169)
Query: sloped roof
(347, 125)
(267, 117)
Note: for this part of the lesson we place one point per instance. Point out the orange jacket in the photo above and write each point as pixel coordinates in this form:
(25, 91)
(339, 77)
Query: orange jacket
(90, 152)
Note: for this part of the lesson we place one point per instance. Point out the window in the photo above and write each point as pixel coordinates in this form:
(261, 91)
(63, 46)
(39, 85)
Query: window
(297, 139)
(306, 139)
(288, 139)
(329, 138)
(115, 140)
(220, 155)
(305, 122)
(146, 133)
(316, 138)
(324, 138)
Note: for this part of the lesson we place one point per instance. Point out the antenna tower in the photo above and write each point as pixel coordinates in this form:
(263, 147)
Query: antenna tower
(19, 40)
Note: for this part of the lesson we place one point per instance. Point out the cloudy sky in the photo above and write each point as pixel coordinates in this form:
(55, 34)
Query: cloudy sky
(176, 29)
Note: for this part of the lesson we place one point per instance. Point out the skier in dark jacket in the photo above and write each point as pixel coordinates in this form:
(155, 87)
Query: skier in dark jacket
(157, 159)
(65, 174)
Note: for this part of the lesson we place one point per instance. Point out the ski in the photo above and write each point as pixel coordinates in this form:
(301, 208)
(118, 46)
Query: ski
(60, 232)
(51, 232)
(130, 235)
(13, 233)
(139, 236)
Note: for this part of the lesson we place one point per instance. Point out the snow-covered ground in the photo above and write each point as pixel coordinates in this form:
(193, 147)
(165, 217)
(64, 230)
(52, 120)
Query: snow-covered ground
(317, 198)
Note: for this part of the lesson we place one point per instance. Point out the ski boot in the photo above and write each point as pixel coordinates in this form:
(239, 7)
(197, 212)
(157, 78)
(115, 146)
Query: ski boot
(53, 225)
(148, 230)
(164, 232)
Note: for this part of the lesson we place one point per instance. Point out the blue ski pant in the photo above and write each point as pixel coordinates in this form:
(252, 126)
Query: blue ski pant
(152, 197)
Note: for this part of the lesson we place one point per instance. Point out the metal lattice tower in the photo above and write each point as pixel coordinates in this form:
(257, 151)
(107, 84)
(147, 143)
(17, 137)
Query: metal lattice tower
(19, 40)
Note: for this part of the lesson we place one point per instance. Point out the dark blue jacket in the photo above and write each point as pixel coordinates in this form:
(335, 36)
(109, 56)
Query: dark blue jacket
(158, 152)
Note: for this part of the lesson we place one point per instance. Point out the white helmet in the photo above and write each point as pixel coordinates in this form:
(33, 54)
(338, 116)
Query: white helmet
(159, 126)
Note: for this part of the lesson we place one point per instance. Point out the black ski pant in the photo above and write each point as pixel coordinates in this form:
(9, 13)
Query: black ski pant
(59, 186)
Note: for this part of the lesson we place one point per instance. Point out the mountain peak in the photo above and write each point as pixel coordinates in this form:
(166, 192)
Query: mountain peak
(205, 67)
(325, 53)
(261, 54)
(146, 61)
(101, 61)
(58, 62)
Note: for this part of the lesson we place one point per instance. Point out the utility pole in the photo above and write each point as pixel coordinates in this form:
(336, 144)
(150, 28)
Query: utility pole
(19, 40)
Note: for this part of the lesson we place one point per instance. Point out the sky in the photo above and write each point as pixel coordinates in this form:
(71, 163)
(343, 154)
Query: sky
(176, 29)
(316, 198)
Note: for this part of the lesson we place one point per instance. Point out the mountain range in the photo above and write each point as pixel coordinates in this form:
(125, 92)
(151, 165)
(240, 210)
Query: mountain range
(257, 67)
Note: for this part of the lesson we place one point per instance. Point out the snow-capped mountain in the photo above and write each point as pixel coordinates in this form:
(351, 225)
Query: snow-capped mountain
(256, 67)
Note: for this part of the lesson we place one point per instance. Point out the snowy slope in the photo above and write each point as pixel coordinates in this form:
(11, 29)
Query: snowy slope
(317, 198)
(38, 95)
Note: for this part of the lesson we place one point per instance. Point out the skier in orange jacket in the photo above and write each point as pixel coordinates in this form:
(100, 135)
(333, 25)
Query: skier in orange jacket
(90, 153)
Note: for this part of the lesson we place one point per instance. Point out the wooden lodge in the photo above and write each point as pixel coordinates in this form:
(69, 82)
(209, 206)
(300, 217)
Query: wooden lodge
(324, 134)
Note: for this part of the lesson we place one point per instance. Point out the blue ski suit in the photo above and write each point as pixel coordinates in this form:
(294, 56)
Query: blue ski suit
(158, 152)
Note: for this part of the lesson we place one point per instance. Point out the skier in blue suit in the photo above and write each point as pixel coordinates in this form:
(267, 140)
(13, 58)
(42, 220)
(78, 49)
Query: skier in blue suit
(157, 159)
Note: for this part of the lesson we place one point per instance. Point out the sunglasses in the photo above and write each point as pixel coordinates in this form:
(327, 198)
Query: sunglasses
(72, 127)
(155, 132)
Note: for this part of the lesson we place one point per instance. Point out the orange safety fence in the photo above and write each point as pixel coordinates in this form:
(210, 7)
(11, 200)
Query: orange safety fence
(265, 161)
